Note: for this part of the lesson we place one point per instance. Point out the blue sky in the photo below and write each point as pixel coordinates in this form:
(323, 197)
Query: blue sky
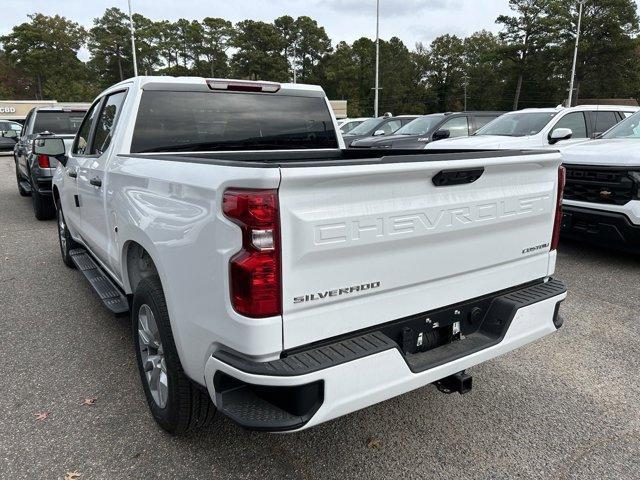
(411, 20)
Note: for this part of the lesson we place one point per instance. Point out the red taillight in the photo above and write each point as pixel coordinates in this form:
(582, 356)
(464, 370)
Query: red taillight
(43, 161)
(255, 270)
(557, 224)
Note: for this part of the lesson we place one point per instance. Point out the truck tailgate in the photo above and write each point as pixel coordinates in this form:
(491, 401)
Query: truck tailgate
(367, 244)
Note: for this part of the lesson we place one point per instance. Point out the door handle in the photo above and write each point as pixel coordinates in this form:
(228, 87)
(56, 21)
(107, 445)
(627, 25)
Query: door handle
(72, 173)
(96, 182)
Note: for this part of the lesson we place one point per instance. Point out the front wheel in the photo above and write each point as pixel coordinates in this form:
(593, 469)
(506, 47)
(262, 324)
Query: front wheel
(176, 403)
(64, 237)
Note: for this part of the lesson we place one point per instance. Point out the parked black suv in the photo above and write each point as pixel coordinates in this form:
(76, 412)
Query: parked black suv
(377, 127)
(35, 172)
(430, 128)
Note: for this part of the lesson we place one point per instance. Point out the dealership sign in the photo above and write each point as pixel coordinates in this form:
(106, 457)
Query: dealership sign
(7, 110)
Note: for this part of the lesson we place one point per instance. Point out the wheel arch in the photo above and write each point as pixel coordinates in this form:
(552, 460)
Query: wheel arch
(137, 263)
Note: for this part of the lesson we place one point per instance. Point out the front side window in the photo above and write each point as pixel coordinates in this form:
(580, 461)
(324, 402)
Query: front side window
(390, 127)
(58, 122)
(81, 143)
(173, 121)
(107, 121)
(574, 121)
(457, 127)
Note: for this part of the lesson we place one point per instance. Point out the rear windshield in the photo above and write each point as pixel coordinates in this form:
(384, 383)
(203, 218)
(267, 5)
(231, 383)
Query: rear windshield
(206, 121)
(58, 122)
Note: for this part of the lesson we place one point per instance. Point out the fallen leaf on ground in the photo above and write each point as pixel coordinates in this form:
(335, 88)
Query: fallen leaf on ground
(89, 401)
(42, 415)
(373, 442)
(72, 476)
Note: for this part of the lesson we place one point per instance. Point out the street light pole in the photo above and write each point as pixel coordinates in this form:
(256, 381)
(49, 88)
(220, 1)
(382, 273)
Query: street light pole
(133, 43)
(575, 54)
(377, 87)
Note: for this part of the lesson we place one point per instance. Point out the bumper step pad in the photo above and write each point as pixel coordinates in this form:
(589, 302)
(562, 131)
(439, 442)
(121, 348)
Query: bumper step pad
(109, 293)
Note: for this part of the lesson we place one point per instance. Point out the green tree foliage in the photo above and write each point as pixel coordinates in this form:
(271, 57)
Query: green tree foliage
(259, 54)
(527, 64)
(110, 47)
(608, 62)
(525, 35)
(45, 49)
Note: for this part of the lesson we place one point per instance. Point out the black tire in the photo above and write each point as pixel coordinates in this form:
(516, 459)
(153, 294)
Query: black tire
(187, 406)
(64, 238)
(43, 206)
(21, 190)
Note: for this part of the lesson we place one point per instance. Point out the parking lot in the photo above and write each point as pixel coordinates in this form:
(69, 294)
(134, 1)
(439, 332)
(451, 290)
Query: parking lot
(565, 407)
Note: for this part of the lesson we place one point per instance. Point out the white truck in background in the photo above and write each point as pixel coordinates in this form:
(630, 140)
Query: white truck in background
(602, 195)
(541, 128)
(283, 280)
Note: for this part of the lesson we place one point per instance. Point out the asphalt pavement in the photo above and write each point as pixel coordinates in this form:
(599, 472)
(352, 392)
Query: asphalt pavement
(565, 407)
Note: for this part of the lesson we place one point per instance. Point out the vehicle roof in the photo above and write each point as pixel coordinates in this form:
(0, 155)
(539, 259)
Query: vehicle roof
(147, 81)
(61, 108)
(579, 108)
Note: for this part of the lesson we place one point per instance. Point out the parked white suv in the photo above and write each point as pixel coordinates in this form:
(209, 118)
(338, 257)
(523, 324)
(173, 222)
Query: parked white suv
(602, 196)
(541, 128)
(285, 279)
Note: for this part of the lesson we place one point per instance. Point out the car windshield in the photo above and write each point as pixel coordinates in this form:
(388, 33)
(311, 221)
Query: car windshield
(365, 127)
(518, 124)
(628, 128)
(58, 122)
(420, 126)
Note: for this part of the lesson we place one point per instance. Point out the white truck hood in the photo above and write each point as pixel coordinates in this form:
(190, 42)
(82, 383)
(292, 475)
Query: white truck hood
(484, 141)
(619, 152)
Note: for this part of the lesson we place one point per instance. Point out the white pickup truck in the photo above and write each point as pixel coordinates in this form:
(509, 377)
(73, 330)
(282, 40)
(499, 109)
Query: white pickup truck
(285, 281)
(602, 195)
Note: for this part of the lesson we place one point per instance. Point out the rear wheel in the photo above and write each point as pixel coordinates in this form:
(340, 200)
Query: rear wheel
(176, 403)
(64, 237)
(21, 190)
(43, 206)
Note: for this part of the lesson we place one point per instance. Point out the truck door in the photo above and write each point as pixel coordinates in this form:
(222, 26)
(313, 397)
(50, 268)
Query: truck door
(76, 156)
(91, 178)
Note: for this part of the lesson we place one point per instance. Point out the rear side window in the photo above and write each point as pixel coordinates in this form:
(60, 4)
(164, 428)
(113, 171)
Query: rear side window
(204, 121)
(603, 121)
(57, 122)
(107, 122)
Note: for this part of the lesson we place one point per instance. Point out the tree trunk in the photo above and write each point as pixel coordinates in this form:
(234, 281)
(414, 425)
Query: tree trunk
(39, 78)
(119, 64)
(516, 100)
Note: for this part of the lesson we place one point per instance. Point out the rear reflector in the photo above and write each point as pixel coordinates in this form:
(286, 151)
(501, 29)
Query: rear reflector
(557, 224)
(255, 270)
(240, 86)
(43, 161)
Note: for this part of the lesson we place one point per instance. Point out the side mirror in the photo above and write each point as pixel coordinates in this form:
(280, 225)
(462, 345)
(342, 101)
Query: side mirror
(441, 135)
(560, 134)
(597, 135)
(377, 133)
(52, 147)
